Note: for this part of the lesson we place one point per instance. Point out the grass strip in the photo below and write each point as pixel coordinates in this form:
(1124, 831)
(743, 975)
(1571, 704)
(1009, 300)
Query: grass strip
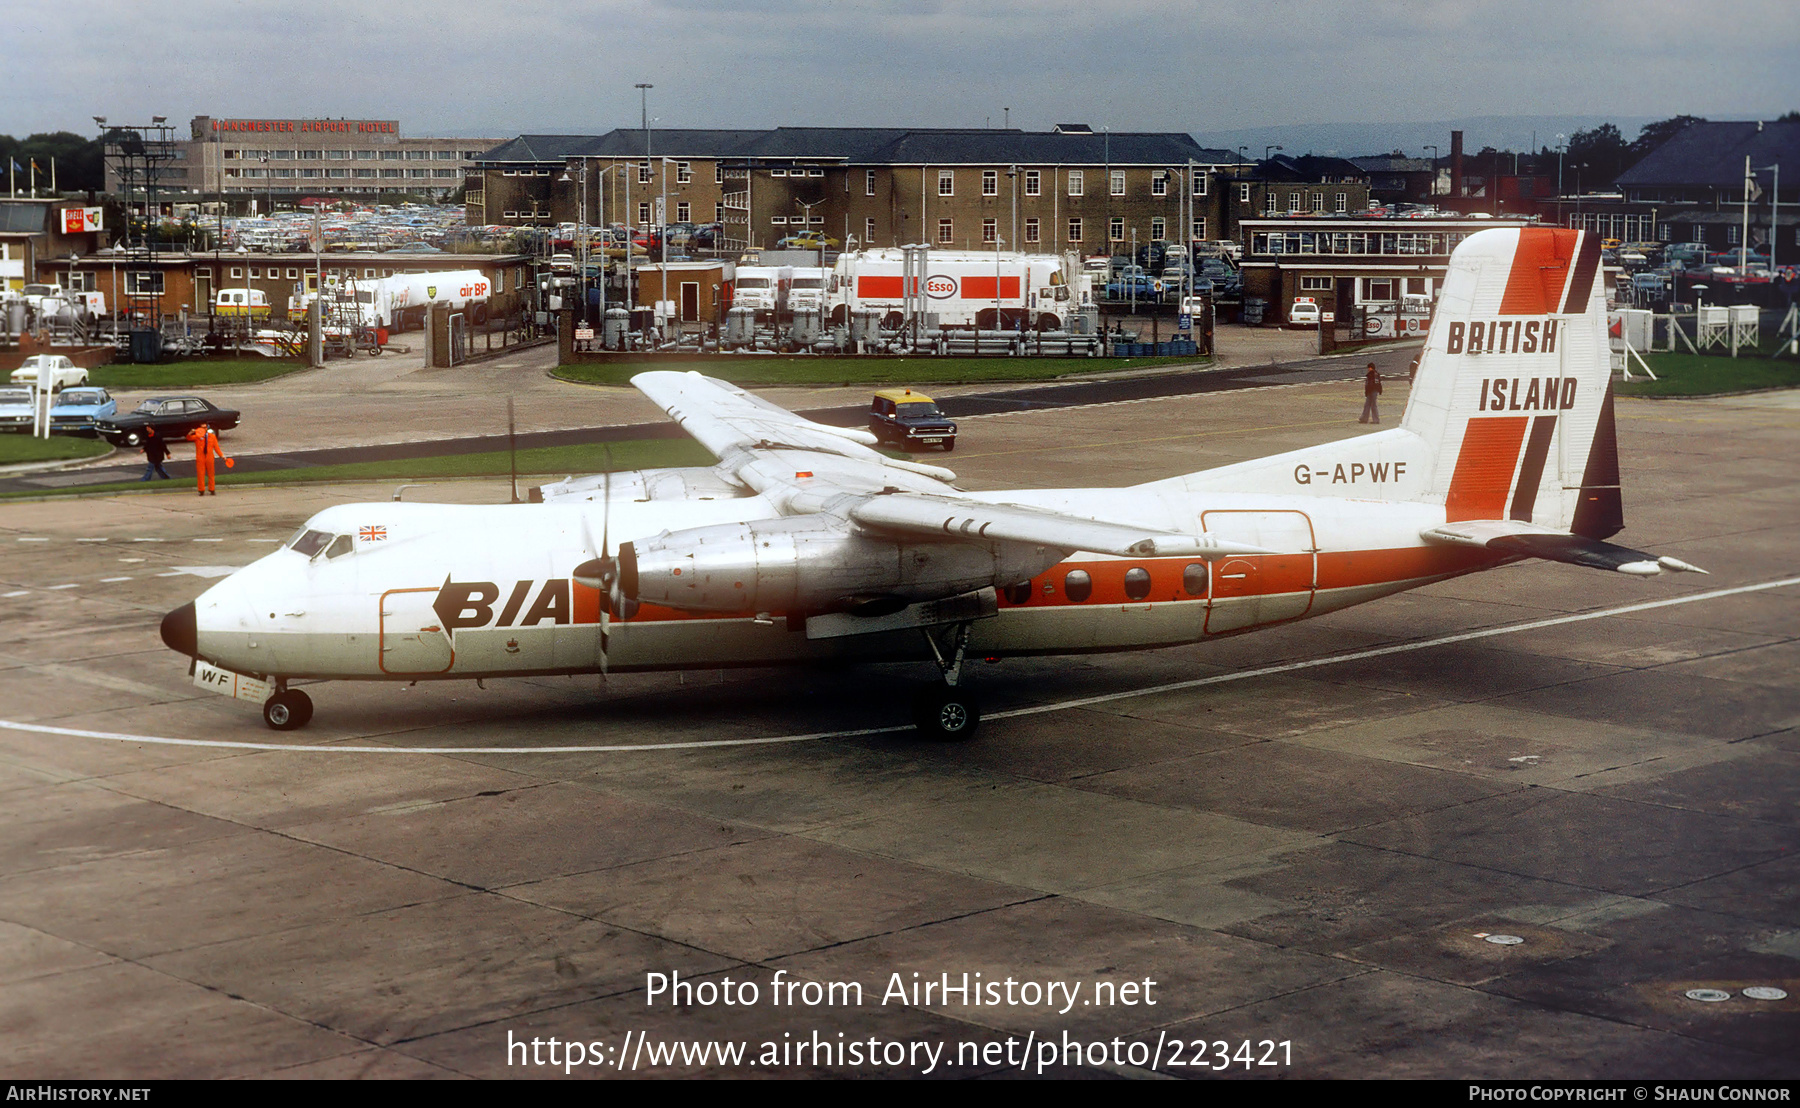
(18, 448)
(538, 462)
(193, 373)
(1710, 375)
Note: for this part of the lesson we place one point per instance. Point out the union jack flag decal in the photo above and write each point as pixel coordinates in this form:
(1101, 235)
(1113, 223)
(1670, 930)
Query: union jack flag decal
(372, 534)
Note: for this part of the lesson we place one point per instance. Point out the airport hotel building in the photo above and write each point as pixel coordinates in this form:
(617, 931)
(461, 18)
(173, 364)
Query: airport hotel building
(286, 159)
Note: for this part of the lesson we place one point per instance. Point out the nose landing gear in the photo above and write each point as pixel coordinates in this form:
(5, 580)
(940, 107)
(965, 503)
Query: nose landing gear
(288, 709)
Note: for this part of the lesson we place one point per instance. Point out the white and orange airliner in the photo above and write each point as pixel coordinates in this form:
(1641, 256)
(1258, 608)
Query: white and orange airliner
(804, 544)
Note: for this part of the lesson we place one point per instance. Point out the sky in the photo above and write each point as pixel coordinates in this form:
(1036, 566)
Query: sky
(447, 68)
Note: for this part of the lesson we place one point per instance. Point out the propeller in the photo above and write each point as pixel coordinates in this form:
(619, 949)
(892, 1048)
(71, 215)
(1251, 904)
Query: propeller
(601, 573)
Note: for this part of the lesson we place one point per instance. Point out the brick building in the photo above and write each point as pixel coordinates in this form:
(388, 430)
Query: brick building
(1284, 186)
(1070, 188)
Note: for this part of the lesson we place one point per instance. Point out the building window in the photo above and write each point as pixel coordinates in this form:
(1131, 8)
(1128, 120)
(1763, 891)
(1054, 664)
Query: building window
(384, 173)
(390, 155)
(1157, 230)
(946, 231)
(1118, 182)
(418, 155)
(1378, 290)
(237, 273)
(360, 172)
(1293, 201)
(1198, 231)
(1033, 182)
(946, 183)
(1159, 183)
(1315, 284)
(990, 182)
(1269, 202)
(308, 155)
(643, 173)
(989, 230)
(309, 173)
(1243, 194)
(337, 173)
(147, 282)
(643, 215)
(255, 273)
(1343, 202)
(228, 155)
(1074, 230)
(681, 212)
(1031, 229)
(337, 155)
(293, 274)
(779, 220)
(778, 173)
(718, 173)
(1116, 229)
(868, 230)
(1733, 234)
(868, 182)
(365, 155)
(1075, 184)
(1418, 286)
(1698, 233)
(683, 173)
(1318, 201)
(418, 173)
(1199, 183)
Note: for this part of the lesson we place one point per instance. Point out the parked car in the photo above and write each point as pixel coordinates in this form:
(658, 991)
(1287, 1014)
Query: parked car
(910, 419)
(15, 409)
(808, 240)
(1304, 313)
(171, 417)
(63, 372)
(1132, 282)
(79, 409)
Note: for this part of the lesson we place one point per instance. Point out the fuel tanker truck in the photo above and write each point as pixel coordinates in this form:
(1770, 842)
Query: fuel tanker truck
(969, 289)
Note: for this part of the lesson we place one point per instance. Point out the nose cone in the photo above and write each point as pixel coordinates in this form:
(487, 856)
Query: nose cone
(179, 633)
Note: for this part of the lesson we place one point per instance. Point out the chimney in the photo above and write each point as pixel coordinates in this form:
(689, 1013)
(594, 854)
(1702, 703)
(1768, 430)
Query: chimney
(1456, 177)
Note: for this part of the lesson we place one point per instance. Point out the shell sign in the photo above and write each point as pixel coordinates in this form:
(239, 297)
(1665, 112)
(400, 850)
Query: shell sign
(78, 221)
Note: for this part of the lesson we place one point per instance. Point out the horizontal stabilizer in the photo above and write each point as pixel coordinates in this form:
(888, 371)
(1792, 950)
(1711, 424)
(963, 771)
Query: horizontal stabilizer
(942, 517)
(1505, 536)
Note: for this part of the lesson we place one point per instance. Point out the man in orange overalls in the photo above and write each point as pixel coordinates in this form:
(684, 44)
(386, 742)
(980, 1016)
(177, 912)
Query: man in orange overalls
(206, 448)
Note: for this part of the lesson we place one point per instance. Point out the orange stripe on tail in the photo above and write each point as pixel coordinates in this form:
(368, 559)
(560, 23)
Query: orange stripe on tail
(1540, 271)
(1484, 468)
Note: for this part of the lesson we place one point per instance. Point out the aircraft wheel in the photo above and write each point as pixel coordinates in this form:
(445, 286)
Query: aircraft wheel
(946, 714)
(288, 711)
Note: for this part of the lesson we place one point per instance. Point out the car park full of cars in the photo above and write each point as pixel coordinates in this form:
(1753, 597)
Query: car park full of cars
(171, 417)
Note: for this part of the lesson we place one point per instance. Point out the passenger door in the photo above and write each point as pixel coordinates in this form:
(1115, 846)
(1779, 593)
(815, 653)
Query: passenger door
(413, 639)
(1254, 589)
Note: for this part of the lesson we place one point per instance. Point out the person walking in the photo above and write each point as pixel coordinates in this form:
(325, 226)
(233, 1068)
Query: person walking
(1371, 390)
(206, 448)
(155, 450)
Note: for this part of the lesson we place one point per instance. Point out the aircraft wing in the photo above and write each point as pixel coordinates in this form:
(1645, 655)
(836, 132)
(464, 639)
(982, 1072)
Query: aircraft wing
(808, 467)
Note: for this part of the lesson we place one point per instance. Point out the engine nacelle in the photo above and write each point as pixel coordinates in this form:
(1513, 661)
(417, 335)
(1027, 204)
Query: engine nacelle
(812, 564)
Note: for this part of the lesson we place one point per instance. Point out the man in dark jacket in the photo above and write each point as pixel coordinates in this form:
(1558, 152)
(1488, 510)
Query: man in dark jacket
(1371, 390)
(155, 450)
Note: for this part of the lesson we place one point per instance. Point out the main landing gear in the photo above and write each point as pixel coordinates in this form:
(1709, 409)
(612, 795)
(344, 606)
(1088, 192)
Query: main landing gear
(287, 710)
(946, 712)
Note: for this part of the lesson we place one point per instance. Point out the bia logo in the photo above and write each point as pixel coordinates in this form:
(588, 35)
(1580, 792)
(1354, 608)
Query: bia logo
(464, 605)
(939, 287)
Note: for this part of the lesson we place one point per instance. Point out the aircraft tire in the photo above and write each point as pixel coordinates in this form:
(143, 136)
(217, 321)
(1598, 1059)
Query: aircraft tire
(288, 711)
(946, 714)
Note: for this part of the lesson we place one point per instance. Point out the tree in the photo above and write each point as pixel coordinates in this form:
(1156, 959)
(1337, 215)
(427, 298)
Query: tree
(78, 160)
(1655, 134)
(1602, 151)
(1791, 117)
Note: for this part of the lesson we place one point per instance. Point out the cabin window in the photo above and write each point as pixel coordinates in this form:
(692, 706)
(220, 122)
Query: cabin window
(1078, 586)
(1137, 583)
(1193, 579)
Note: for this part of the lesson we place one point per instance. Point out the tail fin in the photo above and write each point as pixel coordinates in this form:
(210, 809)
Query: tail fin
(1513, 395)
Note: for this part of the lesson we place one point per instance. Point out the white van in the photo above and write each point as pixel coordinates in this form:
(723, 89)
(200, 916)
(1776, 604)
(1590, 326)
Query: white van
(241, 302)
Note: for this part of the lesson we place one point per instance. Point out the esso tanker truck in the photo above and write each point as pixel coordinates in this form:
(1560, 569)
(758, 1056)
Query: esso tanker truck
(966, 289)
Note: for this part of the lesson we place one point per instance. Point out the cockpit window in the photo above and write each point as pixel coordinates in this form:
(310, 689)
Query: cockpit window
(339, 547)
(309, 543)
